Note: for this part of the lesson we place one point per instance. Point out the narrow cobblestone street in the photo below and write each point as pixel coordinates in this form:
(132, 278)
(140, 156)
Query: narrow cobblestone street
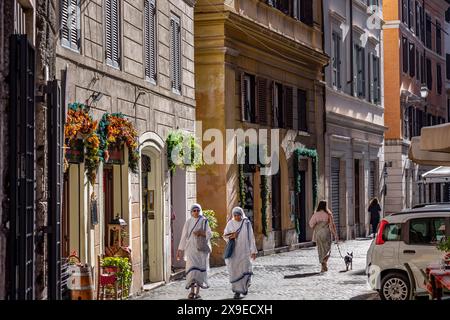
(287, 276)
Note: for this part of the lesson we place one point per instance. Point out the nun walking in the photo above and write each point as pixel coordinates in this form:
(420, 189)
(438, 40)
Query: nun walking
(238, 262)
(195, 244)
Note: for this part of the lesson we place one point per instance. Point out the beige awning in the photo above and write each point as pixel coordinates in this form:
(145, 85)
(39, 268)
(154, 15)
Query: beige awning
(427, 158)
(436, 138)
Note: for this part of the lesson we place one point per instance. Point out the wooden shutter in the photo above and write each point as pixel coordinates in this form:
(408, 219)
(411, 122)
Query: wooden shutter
(335, 196)
(112, 32)
(261, 92)
(289, 105)
(243, 96)
(150, 40)
(175, 43)
(115, 32)
(65, 33)
(270, 95)
(70, 24)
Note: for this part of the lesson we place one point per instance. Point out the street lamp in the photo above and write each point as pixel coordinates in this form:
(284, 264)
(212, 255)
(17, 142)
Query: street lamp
(424, 92)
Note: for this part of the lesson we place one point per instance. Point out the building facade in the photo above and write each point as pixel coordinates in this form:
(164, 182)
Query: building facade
(259, 65)
(414, 93)
(354, 112)
(135, 58)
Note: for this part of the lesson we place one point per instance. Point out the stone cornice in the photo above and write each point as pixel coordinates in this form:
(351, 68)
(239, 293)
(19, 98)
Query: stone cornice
(294, 51)
(336, 16)
(190, 3)
(350, 122)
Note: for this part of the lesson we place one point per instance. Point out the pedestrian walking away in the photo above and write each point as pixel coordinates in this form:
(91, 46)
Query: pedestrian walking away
(195, 246)
(323, 226)
(239, 263)
(375, 212)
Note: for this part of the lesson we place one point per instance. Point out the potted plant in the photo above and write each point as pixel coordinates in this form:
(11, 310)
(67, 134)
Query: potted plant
(125, 273)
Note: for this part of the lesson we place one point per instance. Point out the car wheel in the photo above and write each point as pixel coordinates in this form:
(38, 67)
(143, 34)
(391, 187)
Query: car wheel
(395, 286)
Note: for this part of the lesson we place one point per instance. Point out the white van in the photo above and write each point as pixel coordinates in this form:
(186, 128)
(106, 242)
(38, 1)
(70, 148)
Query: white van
(404, 245)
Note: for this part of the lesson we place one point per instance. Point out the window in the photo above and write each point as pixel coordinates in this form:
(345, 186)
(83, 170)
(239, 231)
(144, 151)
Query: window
(299, 9)
(412, 60)
(439, 78)
(422, 69)
(112, 33)
(447, 15)
(248, 97)
(448, 110)
(429, 75)
(374, 77)
(289, 107)
(175, 53)
(405, 54)
(278, 112)
(150, 40)
(438, 38)
(302, 110)
(426, 231)
(422, 24)
(336, 60)
(418, 65)
(392, 232)
(428, 32)
(360, 83)
(417, 20)
(405, 11)
(70, 24)
(447, 64)
(411, 14)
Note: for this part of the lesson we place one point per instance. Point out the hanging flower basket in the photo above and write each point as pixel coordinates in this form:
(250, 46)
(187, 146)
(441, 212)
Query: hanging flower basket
(115, 131)
(183, 151)
(81, 139)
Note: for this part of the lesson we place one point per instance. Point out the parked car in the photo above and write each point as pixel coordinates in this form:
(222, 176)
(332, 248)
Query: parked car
(404, 245)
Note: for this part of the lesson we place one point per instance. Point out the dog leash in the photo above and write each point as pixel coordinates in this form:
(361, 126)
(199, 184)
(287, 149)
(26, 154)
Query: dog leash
(339, 249)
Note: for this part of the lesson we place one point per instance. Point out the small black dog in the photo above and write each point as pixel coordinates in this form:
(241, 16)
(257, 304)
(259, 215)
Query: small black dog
(348, 259)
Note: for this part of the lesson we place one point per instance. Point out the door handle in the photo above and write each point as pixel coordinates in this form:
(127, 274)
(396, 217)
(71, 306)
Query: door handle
(409, 251)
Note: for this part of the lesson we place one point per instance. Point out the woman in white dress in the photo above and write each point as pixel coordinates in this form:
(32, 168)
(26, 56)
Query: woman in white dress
(239, 264)
(197, 262)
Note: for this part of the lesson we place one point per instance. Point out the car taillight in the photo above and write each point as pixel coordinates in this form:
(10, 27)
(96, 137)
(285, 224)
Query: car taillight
(379, 240)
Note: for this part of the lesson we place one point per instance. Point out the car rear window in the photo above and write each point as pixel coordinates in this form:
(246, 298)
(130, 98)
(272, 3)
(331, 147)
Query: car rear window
(392, 232)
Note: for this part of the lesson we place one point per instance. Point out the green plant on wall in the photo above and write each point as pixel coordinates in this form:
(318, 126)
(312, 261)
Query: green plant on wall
(312, 154)
(183, 142)
(125, 274)
(212, 221)
(444, 245)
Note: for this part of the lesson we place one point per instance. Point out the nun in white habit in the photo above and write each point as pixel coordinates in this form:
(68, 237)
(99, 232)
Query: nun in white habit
(239, 264)
(197, 262)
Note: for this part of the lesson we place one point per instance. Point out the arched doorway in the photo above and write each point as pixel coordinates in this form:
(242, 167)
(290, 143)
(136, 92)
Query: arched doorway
(152, 211)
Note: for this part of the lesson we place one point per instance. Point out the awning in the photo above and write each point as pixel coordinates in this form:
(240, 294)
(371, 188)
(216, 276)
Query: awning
(435, 138)
(437, 175)
(427, 158)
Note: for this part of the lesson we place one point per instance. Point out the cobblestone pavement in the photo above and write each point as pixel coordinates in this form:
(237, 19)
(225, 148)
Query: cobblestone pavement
(287, 276)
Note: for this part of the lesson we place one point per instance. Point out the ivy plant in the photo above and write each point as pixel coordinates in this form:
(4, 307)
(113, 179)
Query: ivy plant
(183, 142)
(212, 221)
